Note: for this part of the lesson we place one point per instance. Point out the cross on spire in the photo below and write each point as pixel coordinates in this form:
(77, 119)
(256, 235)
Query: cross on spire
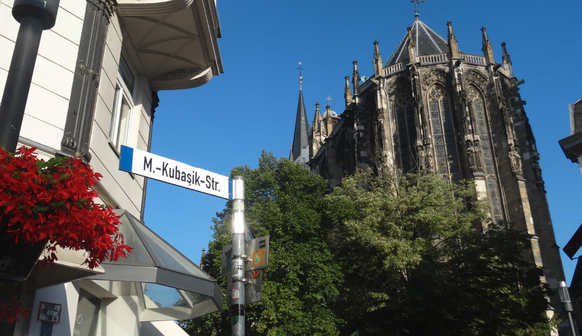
(300, 68)
(416, 2)
(329, 99)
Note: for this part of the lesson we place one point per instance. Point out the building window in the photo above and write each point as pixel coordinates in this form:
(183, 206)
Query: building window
(87, 314)
(122, 106)
(476, 102)
(443, 133)
(406, 131)
(119, 132)
(126, 74)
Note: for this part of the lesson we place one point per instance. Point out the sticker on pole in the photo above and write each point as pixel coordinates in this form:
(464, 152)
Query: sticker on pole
(173, 172)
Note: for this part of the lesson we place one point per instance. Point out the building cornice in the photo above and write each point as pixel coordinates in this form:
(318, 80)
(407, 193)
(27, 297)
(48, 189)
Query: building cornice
(174, 42)
(150, 7)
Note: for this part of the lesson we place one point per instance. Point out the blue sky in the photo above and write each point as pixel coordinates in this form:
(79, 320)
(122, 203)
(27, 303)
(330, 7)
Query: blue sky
(252, 105)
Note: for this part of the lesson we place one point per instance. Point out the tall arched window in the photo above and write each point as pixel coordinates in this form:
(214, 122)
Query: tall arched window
(476, 100)
(443, 133)
(406, 131)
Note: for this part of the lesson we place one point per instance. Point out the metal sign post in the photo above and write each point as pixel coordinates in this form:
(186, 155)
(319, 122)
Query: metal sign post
(235, 257)
(238, 295)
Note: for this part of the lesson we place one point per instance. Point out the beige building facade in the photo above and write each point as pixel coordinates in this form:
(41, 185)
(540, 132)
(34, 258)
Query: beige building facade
(94, 89)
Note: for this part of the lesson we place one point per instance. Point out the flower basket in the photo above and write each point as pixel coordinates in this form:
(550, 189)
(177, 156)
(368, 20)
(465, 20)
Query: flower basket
(17, 260)
(44, 204)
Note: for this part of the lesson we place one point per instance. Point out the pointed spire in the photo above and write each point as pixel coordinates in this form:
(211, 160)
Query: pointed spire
(348, 92)
(316, 136)
(507, 65)
(452, 41)
(411, 46)
(487, 49)
(327, 120)
(377, 60)
(356, 78)
(300, 148)
(316, 120)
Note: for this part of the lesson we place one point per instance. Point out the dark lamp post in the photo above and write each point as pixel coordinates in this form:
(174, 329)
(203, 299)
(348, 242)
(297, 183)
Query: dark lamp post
(567, 304)
(34, 17)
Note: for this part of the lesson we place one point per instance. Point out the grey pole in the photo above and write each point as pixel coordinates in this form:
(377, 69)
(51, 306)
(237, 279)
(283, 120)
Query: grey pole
(34, 16)
(567, 304)
(237, 309)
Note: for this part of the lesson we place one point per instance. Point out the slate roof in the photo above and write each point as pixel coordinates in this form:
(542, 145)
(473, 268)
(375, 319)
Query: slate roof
(427, 43)
(301, 135)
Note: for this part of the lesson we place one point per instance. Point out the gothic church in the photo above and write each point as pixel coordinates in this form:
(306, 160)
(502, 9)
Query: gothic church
(433, 108)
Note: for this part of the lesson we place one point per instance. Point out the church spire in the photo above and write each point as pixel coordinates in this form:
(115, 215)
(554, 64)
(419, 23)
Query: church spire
(316, 131)
(487, 49)
(348, 92)
(377, 60)
(316, 127)
(300, 148)
(506, 60)
(356, 78)
(452, 41)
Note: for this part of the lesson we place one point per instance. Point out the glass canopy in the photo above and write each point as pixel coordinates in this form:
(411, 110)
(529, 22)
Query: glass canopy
(172, 286)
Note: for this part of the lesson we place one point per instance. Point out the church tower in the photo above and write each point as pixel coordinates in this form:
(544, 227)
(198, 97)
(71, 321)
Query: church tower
(433, 108)
(300, 148)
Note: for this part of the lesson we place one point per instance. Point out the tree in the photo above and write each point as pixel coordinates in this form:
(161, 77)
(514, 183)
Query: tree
(388, 255)
(416, 263)
(284, 201)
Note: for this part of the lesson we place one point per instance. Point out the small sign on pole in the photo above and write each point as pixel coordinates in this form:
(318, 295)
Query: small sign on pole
(258, 250)
(257, 254)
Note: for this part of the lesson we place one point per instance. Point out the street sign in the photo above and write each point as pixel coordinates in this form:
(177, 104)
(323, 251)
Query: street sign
(257, 254)
(254, 287)
(253, 292)
(173, 172)
(258, 250)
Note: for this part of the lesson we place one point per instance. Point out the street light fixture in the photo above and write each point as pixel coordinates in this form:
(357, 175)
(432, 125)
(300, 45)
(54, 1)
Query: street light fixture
(567, 304)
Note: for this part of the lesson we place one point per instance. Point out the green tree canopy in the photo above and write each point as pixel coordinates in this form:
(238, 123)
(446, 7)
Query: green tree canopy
(283, 201)
(416, 262)
(389, 255)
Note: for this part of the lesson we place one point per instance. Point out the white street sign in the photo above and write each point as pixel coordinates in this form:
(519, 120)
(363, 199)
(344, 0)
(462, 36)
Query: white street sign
(173, 172)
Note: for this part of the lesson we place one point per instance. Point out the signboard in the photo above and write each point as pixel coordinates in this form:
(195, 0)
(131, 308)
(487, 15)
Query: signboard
(258, 250)
(49, 312)
(253, 289)
(173, 172)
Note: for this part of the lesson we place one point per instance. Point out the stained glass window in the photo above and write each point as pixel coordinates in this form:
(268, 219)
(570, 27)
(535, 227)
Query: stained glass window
(476, 100)
(443, 133)
(406, 131)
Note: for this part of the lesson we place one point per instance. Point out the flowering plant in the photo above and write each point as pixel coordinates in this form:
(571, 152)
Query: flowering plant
(54, 202)
(50, 203)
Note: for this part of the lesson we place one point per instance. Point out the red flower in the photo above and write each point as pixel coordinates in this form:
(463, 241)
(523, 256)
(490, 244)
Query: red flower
(54, 201)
